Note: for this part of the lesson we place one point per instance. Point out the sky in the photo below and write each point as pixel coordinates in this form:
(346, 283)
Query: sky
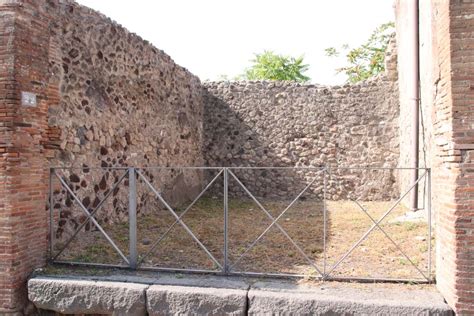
(212, 38)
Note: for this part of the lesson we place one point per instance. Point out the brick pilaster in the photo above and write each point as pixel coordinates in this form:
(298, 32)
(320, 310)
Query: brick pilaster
(24, 46)
(453, 137)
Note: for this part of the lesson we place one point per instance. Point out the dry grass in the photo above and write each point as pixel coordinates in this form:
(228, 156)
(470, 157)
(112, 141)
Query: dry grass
(374, 257)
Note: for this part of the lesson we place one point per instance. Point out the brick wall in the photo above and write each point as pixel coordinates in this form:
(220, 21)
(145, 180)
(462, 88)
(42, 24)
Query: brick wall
(23, 67)
(447, 98)
(457, 155)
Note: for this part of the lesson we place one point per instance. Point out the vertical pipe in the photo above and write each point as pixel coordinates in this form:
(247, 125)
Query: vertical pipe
(414, 94)
(51, 215)
(226, 219)
(132, 218)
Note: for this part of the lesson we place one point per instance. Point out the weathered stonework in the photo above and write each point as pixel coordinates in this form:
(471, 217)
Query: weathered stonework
(106, 98)
(281, 124)
(122, 103)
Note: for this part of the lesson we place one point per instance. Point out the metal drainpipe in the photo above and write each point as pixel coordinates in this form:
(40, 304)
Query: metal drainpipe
(414, 95)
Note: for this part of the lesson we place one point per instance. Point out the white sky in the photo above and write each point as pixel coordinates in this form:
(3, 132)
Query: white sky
(219, 37)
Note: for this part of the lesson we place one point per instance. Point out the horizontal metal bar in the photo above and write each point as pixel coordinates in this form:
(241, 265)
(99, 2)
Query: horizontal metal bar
(344, 279)
(331, 167)
(183, 270)
(376, 168)
(275, 275)
(279, 168)
(375, 280)
(248, 274)
(137, 167)
(235, 168)
(192, 168)
(87, 264)
(89, 168)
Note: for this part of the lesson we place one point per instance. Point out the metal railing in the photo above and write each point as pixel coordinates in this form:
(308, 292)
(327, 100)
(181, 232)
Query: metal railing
(223, 183)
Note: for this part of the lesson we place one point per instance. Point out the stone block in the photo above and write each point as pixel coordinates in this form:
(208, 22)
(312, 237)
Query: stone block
(181, 300)
(87, 297)
(346, 302)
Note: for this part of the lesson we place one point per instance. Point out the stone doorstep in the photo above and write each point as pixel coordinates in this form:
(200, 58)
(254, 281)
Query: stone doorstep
(263, 298)
(77, 296)
(82, 296)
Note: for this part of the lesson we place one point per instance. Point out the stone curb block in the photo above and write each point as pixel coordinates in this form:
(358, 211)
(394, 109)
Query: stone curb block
(77, 296)
(180, 300)
(287, 303)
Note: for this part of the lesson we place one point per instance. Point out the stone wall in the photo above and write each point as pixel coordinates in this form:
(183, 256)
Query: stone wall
(280, 124)
(104, 98)
(122, 103)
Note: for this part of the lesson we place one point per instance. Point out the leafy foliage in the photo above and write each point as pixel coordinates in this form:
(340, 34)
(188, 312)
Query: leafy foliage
(271, 66)
(368, 59)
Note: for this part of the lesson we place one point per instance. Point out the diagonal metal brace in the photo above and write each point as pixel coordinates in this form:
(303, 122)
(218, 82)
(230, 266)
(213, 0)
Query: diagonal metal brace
(180, 217)
(386, 235)
(158, 195)
(92, 219)
(274, 222)
(374, 226)
(99, 206)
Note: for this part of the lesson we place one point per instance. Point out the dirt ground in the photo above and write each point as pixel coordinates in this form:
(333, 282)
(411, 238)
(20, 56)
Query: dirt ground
(375, 257)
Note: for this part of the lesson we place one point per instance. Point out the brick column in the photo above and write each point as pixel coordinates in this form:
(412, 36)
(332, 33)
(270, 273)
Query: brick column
(456, 219)
(447, 85)
(24, 46)
(447, 101)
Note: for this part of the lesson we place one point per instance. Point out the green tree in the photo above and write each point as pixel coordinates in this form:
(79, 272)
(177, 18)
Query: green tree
(271, 66)
(368, 59)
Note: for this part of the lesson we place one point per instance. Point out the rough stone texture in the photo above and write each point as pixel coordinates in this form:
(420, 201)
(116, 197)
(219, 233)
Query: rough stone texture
(342, 302)
(180, 300)
(105, 98)
(122, 103)
(229, 298)
(280, 124)
(80, 297)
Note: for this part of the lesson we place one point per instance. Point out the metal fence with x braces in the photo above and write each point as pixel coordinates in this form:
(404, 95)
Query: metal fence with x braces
(226, 267)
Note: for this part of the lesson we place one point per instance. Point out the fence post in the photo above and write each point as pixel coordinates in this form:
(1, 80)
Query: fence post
(51, 215)
(429, 222)
(325, 174)
(226, 219)
(132, 217)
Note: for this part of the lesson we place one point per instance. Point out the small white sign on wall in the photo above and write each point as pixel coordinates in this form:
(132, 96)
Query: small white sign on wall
(28, 98)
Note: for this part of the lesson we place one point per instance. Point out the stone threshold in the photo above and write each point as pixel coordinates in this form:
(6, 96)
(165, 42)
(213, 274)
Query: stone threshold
(169, 294)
